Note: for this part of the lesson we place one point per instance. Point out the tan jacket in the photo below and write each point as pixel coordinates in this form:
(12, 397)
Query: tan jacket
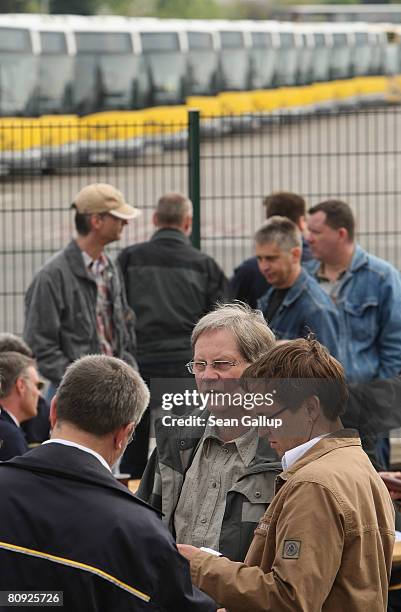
(325, 542)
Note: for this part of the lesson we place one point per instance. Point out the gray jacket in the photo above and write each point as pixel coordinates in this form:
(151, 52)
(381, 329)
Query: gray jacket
(246, 502)
(60, 314)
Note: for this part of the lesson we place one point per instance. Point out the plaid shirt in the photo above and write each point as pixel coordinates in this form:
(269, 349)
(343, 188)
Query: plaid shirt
(100, 272)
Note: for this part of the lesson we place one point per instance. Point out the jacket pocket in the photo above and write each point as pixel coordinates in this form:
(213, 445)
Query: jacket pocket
(361, 319)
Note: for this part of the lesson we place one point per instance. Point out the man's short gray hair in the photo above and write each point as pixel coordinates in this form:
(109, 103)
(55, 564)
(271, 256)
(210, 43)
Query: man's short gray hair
(172, 208)
(100, 394)
(280, 230)
(248, 327)
(12, 366)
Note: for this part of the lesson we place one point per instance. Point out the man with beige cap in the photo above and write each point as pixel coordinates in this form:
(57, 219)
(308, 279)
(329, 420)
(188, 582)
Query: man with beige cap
(76, 302)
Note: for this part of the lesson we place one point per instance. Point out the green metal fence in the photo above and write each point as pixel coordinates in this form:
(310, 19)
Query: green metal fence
(227, 166)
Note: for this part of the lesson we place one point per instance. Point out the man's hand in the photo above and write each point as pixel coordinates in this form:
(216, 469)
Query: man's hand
(392, 480)
(187, 551)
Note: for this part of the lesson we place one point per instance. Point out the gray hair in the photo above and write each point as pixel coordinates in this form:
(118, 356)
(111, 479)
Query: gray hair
(10, 342)
(12, 366)
(172, 208)
(248, 327)
(281, 231)
(100, 394)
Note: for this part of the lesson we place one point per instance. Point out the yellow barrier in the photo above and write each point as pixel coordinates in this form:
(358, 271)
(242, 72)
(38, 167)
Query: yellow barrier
(208, 106)
(165, 119)
(18, 134)
(112, 125)
(235, 103)
(267, 100)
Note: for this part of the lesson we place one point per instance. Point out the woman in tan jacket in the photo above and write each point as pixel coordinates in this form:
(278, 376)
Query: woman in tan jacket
(326, 540)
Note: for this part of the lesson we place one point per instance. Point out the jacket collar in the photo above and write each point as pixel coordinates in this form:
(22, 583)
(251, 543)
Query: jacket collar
(169, 233)
(6, 416)
(76, 261)
(359, 259)
(69, 463)
(335, 440)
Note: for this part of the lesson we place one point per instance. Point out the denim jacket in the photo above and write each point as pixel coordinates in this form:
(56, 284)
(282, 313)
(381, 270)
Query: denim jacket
(369, 307)
(305, 308)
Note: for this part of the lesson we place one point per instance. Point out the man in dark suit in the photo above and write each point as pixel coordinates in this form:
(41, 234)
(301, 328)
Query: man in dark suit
(19, 395)
(67, 525)
(36, 430)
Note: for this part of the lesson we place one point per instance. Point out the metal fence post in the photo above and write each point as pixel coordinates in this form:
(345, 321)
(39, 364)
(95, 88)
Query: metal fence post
(194, 174)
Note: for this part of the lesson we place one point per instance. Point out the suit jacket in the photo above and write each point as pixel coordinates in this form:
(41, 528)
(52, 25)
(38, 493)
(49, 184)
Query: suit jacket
(67, 525)
(12, 439)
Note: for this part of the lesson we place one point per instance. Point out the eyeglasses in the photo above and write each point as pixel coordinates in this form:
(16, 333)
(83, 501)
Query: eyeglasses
(197, 367)
(39, 384)
(131, 437)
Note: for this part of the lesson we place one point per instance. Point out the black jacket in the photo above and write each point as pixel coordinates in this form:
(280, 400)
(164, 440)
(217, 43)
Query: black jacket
(170, 286)
(12, 438)
(67, 525)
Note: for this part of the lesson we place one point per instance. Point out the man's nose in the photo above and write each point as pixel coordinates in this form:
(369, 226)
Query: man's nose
(210, 373)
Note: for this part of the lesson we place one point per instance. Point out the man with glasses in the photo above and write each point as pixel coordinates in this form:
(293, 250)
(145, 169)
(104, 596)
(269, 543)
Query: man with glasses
(76, 303)
(19, 396)
(214, 480)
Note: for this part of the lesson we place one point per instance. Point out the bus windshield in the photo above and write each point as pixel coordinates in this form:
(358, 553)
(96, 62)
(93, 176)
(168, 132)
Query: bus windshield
(18, 73)
(233, 53)
(286, 73)
(202, 64)
(108, 75)
(56, 74)
(340, 57)
(262, 60)
(166, 67)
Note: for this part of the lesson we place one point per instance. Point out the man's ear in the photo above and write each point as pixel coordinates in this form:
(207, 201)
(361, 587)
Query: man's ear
(121, 436)
(20, 385)
(296, 254)
(53, 412)
(313, 407)
(187, 225)
(155, 219)
(343, 233)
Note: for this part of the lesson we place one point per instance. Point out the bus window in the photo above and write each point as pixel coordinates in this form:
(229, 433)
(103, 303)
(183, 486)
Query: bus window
(18, 73)
(166, 67)
(103, 42)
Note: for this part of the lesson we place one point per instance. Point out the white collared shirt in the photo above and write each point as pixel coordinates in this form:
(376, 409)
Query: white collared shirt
(82, 448)
(292, 455)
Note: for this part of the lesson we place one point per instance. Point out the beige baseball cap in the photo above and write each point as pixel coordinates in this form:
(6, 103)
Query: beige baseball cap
(104, 198)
